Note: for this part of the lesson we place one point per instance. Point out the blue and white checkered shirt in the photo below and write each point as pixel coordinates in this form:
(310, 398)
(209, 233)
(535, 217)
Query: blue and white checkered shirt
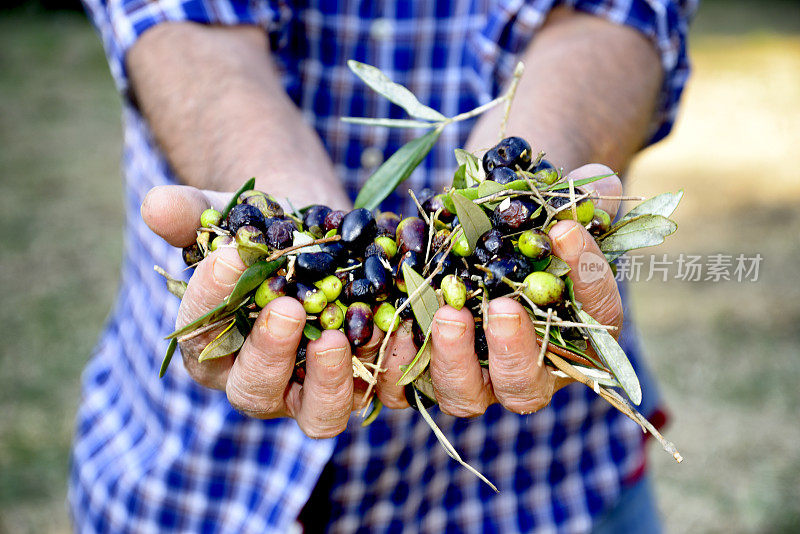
(168, 455)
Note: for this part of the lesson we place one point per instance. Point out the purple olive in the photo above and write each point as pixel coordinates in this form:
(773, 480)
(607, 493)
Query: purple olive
(412, 234)
(333, 219)
(314, 220)
(358, 323)
(280, 234)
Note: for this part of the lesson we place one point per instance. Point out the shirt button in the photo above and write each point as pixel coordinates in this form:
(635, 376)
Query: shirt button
(371, 157)
(381, 29)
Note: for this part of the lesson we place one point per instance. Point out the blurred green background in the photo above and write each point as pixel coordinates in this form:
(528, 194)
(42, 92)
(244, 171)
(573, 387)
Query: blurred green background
(726, 353)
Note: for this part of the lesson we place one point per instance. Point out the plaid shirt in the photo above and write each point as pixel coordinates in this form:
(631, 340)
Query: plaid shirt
(168, 455)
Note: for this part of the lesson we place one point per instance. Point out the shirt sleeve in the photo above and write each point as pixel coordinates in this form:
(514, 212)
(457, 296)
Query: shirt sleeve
(121, 22)
(664, 22)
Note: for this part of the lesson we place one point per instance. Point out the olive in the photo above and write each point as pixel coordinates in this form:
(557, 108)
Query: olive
(221, 241)
(265, 204)
(387, 223)
(210, 217)
(454, 291)
(280, 234)
(436, 203)
(413, 260)
(331, 286)
(524, 267)
(332, 317)
(490, 245)
(314, 219)
(412, 233)
(543, 288)
(510, 152)
(424, 399)
(356, 290)
(387, 245)
(535, 244)
(546, 176)
(513, 215)
(405, 313)
(584, 207)
(601, 222)
(335, 249)
(270, 289)
(358, 229)
(251, 244)
(502, 175)
(314, 265)
(543, 165)
(246, 215)
(299, 371)
(312, 299)
(461, 245)
(333, 219)
(192, 255)
(358, 323)
(378, 275)
(418, 334)
(439, 239)
(497, 269)
(384, 316)
(448, 266)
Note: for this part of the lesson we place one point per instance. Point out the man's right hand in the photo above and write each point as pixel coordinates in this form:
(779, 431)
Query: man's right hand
(257, 379)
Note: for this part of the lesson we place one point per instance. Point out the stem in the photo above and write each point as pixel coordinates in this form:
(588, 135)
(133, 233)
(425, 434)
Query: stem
(277, 254)
(512, 90)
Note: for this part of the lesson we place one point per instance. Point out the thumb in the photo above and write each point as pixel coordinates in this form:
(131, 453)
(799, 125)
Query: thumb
(173, 211)
(595, 287)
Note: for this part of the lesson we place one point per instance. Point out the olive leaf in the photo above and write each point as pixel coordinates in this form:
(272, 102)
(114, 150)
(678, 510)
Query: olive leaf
(174, 286)
(226, 343)
(173, 344)
(418, 364)
(395, 92)
(375, 410)
(395, 170)
(571, 292)
(577, 183)
(449, 449)
(472, 218)
(248, 185)
(637, 232)
(663, 205)
(388, 123)
(425, 303)
(473, 169)
(299, 238)
(613, 357)
(489, 187)
(250, 279)
(459, 178)
(557, 266)
(311, 332)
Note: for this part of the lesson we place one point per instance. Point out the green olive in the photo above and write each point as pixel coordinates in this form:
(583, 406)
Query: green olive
(331, 286)
(388, 245)
(461, 245)
(383, 318)
(535, 244)
(543, 288)
(332, 317)
(210, 217)
(584, 208)
(600, 223)
(454, 291)
(270, 289)
(220, 241)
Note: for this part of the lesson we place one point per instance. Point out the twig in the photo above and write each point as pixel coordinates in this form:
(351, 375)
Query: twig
(512, 90)
(545, 337)
(278, 253)
(419, 207)
(202, 330)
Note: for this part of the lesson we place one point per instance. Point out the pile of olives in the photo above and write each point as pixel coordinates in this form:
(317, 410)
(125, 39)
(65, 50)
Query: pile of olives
(353, 281)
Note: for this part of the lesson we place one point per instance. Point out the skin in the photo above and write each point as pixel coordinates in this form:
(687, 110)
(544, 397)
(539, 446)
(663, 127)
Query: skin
(211, 94)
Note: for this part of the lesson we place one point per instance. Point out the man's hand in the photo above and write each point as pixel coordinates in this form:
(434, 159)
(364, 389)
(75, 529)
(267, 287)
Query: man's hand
(257, 380)
(514, 378)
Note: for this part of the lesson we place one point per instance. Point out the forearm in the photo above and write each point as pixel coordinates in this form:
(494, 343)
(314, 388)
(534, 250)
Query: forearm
(587, 95)
(216, 106)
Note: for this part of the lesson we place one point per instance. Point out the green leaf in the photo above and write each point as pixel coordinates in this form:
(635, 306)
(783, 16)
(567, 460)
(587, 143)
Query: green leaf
(311, 332)
(449, 449)
(250, 279)
(663, 205)
(418, 364)
(557, 266)
(174, 286)
(459, 178)
(388, 123)
(395, 170)
(425, 303)
(248, 185)
(473, 169)
(638, 232)
(377, 406)
(489, 187)
(613, 357)
(226, 343)
(395, 92)
(577, 183)
(472, 218)
(571, 292)
(173, 344)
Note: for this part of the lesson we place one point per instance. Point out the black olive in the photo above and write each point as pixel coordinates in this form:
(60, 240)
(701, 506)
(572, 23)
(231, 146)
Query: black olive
(358, 229)
(280, 234)
(192, 254)
(412, 234)
(378, 277)
(358, 290)
(510, 152)
(312, 266)
(502, 175)
(314, 219)
(246, 215)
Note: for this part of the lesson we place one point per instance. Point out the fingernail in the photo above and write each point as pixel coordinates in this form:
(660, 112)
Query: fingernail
(570, 241)
(280, 325)
(224, 272)
(332, 357)
(450, 330)
(504, 324)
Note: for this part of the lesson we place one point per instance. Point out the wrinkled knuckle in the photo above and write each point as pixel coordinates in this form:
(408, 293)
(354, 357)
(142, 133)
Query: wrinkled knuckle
(461, 409)
(250, 404)
(324, 432)
(526, 405)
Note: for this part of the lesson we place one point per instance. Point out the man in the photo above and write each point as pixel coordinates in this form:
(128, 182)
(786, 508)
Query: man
(220, 91)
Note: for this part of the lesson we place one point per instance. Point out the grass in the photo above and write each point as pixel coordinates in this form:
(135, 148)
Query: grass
(726, 353)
